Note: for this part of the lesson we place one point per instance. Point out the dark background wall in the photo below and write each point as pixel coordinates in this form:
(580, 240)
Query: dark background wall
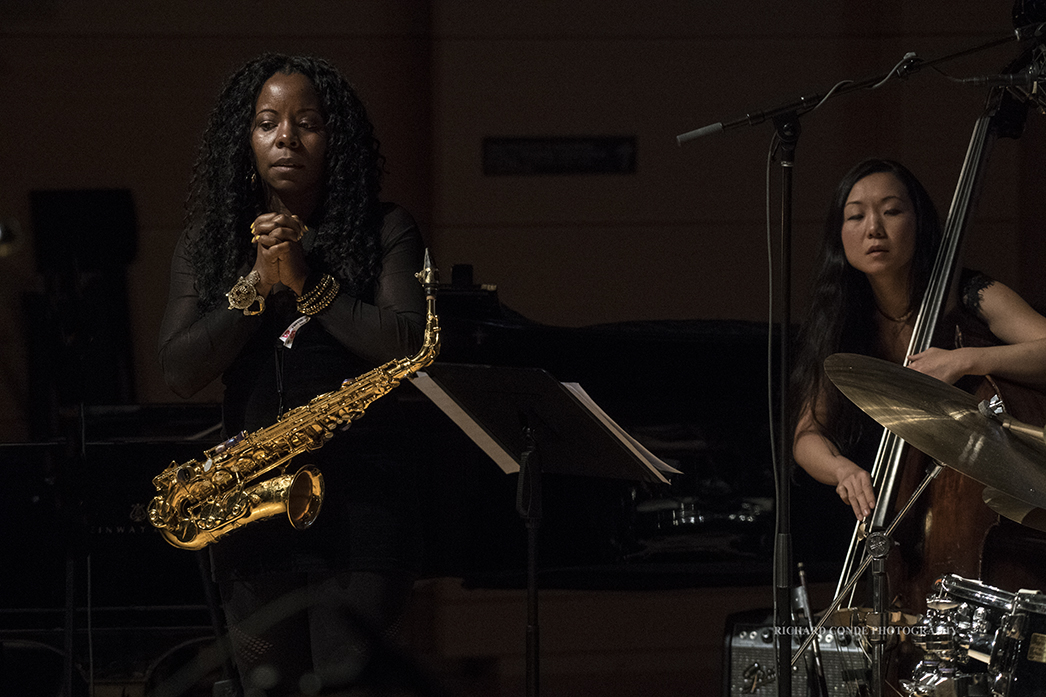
(115, 95)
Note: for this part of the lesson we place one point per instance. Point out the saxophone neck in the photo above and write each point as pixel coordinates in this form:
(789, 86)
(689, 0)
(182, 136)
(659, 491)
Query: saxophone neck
(429, 278)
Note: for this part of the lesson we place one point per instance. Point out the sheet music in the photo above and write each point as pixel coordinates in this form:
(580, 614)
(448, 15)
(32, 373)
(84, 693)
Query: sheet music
(466, 423)
(635, 446)
(503, 458)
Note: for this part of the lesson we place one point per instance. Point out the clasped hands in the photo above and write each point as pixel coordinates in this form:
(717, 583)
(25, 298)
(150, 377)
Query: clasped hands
(280, 255)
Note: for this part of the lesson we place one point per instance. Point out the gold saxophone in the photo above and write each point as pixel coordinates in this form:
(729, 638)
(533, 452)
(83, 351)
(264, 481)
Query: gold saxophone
(201, 501)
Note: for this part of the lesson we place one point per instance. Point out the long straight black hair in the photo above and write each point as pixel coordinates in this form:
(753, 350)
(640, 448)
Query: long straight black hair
(841, 315)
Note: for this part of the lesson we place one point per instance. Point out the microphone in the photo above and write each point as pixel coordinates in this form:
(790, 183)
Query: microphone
(699, 132)
(1021, 79)
(800, 105)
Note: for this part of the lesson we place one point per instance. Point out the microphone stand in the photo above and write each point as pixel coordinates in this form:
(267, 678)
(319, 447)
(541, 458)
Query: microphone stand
(788, 130)
(909, 65)
(786, 122)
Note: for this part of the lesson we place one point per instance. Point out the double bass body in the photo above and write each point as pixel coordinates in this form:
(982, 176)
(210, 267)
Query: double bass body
(950, 530)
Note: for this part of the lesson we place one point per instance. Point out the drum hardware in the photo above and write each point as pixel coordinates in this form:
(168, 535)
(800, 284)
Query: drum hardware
(957, 634)
(878, 548)
(980, 640)
(1018, 661)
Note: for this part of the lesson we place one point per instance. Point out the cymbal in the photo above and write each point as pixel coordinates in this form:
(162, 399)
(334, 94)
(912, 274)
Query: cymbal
(947, 424)
(1016, 510)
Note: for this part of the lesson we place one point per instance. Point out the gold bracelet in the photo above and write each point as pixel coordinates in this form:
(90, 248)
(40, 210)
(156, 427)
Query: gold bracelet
(245, 293)
(322, 295)
(311, 295)
(317, 290)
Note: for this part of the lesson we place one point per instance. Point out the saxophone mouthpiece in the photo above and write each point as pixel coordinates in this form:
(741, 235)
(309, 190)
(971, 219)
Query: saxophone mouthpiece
(429, 275)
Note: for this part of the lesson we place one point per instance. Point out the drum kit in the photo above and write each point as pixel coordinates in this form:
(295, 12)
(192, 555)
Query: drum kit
(976, 640)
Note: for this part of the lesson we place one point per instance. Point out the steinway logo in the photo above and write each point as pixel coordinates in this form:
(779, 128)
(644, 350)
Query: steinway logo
(122, 529)
(135, 525)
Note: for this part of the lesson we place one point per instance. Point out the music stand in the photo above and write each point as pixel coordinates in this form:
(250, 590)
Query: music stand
(529, 422)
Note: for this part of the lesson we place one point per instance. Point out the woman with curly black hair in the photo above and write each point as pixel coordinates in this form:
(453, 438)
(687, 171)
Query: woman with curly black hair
(880, 241)
(290, 277)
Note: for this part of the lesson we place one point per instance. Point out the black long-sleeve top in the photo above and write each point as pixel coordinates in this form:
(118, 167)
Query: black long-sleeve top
(365, 520)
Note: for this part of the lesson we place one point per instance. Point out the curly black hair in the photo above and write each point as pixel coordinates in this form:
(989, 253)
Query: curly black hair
(225, 197)
(841, 316)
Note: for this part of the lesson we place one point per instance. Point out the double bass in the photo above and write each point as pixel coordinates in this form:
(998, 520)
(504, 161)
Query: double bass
(949, 529)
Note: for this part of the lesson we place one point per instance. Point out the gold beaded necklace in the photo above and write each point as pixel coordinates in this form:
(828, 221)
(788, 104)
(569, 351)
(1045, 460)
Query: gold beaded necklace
(902, 318)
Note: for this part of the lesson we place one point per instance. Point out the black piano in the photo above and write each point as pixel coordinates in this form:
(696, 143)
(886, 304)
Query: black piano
(693, 392)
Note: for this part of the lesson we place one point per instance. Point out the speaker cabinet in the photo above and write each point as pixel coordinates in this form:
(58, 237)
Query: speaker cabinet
(751, 659)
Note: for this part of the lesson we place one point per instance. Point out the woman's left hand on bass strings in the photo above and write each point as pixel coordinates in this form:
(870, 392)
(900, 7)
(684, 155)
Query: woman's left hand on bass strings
(280, 255)
(943, 364)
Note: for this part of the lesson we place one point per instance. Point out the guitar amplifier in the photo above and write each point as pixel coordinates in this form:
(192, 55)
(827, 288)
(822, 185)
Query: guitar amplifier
(750, 659)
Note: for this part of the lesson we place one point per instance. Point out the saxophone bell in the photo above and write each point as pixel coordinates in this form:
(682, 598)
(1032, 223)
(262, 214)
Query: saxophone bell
(304, 497)
(298, 495)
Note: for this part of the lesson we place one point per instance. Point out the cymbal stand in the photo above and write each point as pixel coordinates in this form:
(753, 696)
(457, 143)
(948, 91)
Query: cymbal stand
(879, 545)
